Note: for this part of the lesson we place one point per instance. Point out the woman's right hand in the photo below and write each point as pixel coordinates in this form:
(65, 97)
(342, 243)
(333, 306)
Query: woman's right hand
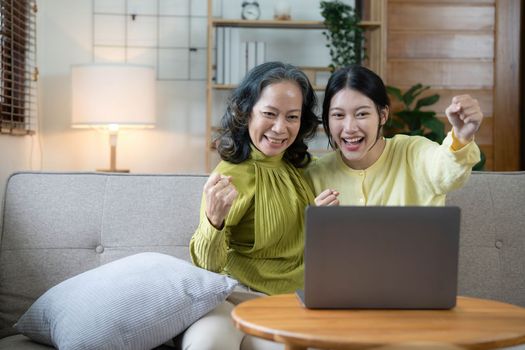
(327, 198)
(220, 194)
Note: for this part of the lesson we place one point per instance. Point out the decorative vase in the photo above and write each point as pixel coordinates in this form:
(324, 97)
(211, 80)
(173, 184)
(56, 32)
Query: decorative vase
(282, 10)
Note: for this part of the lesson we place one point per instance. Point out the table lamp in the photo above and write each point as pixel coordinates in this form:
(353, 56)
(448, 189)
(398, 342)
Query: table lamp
(112, 97)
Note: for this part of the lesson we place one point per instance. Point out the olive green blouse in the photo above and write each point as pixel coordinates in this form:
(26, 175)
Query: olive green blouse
(262, 241)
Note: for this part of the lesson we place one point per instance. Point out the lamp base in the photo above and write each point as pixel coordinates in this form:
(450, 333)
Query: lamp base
(113, 170)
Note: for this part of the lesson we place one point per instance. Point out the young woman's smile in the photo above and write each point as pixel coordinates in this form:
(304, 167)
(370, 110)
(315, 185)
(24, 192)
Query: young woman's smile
(355, 128)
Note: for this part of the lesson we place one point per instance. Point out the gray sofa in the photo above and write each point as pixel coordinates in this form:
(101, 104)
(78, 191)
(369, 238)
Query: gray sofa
(56, 225)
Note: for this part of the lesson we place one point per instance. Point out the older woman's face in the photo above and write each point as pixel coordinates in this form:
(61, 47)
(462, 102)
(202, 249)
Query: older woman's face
(276, 118)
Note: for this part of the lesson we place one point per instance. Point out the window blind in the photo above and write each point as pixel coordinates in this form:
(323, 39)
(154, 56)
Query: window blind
(18, 71)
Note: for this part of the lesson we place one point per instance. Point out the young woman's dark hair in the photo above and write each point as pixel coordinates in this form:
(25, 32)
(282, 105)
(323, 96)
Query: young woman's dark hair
(234, 140)
(356, 78)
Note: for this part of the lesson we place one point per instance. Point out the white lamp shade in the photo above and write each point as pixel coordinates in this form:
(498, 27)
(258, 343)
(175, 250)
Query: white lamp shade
(113, 94)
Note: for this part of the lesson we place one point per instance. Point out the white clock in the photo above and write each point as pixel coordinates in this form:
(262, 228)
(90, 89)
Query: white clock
(250, 10)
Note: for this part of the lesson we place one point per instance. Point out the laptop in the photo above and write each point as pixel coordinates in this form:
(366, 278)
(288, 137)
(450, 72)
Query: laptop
(381, 257)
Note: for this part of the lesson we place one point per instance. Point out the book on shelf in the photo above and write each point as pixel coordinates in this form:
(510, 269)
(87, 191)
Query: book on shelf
(219, 51)
(251, 52)
(243, 60)
(227, 55)
(260, 52)
(235, 58)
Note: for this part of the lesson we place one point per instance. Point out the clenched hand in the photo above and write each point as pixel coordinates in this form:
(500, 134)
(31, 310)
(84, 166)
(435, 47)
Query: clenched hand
(220, 194)
(465, 116)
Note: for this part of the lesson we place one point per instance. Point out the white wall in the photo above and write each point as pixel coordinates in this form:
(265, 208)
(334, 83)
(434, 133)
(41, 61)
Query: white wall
(64, 38)
(22, 155)
(176, 145)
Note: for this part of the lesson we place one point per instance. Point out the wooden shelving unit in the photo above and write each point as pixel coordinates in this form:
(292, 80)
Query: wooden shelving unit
(311, 72)
(376, 51)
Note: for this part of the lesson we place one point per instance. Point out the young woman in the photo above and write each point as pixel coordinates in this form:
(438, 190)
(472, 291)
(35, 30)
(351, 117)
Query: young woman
(367, 169)
(251, 225)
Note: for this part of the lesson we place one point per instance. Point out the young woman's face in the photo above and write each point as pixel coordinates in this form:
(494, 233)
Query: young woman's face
(276, 118)
(354, 122)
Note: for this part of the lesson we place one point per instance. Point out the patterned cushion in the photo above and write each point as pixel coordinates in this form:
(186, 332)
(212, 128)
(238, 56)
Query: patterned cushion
(137, 302)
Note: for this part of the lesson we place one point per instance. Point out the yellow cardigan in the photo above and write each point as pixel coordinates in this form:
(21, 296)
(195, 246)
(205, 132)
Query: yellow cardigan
(412, 170)
(262, 242)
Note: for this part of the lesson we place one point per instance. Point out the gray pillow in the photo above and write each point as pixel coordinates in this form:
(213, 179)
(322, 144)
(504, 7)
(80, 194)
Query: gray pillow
(137, 302)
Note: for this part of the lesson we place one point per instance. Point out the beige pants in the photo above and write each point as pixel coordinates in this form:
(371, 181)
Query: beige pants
(216, 331)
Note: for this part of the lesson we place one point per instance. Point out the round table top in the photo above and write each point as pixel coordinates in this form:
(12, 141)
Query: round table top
(479, 323)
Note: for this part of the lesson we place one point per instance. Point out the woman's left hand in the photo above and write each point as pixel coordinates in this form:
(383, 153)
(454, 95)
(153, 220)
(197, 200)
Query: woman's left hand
(327, 198)
(465, 116)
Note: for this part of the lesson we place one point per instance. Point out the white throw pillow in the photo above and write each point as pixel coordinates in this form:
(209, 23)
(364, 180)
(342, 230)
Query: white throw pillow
(137, 302)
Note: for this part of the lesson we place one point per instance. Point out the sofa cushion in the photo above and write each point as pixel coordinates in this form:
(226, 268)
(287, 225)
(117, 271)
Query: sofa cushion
(137, 302)
(20, 342)
(58, 225)
(492, 242)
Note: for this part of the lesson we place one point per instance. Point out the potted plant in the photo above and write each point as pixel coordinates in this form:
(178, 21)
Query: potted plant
(411, 120)
(345, 37)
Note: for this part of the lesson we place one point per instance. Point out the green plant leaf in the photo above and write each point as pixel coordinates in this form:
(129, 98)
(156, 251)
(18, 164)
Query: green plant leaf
(481, 164)
(410, 94)
(413, 121)
(410, 118)
(345, 37)
(433, 137)
(421, 91)
(394, 92)
(426, 115)
(426, 101)
(435, 125)
(395, 123)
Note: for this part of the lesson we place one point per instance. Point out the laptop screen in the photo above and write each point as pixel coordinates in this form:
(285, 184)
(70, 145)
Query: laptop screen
(381, 257)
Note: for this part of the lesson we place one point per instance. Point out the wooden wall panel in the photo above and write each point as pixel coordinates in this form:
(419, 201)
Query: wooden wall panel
(484, 97)
(489, 156)
(507, 89)
(463, 46)
(449, 2)
(440, 16)
(451, 46)
(439, 73)
(423, 44)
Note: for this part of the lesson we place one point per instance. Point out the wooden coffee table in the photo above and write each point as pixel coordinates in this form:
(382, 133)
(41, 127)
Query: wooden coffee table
(473, 323)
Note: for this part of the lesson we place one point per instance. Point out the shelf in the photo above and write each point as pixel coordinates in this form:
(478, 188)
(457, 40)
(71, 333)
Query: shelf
(319, 128)
(376, 52)
(263, 23)
(311, 73)
(231, 87)
(312, 151)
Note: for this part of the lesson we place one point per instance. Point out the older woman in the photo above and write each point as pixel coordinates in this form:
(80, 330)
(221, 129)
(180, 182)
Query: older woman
(251, 225)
